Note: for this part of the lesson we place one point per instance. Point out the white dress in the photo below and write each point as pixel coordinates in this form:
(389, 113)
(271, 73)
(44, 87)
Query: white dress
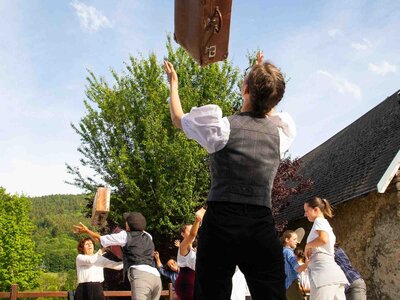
(323, 270)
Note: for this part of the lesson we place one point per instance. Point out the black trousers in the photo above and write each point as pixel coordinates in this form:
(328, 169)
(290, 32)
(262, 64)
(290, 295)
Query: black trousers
(244, 235)
(89, 291)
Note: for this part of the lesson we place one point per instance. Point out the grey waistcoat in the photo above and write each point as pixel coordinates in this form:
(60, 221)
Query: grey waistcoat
(244, 170)
(139, 250)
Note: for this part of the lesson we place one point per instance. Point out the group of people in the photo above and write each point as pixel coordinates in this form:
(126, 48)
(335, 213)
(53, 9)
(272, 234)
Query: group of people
(324, 270)
(238, 230)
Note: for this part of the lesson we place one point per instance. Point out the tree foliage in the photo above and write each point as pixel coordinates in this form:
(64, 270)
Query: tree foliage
(54, 216)
(19, 263)
(129, 141)
(288, 182)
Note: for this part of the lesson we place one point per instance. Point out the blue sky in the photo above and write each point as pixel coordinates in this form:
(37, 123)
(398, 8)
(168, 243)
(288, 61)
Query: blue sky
(342, 58)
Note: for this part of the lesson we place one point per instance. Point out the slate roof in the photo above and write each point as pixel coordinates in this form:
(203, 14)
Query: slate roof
(352, 162)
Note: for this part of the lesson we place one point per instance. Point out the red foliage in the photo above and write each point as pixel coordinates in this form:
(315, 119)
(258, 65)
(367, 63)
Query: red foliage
(287, 183)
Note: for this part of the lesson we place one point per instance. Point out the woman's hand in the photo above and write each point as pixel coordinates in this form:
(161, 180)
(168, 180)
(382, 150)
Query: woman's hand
(177, 243)
(80, 228)
(171, 74)
(307, 252)
(259, 57)
(200, 214)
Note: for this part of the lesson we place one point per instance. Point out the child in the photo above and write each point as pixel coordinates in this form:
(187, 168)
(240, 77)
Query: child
(327, 280)
(170, 270)
(303, 276)
(184, 285)
(292, 267)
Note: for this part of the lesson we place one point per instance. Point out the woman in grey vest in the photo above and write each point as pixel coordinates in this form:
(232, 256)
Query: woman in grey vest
(245, 149)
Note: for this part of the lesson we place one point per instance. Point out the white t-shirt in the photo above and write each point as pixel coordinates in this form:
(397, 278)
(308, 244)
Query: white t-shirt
(206, 125)
(89, 268)
(322, 224)
(188, 261)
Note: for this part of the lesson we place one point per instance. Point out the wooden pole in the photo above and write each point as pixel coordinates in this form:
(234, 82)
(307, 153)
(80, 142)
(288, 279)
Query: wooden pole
(14, 291)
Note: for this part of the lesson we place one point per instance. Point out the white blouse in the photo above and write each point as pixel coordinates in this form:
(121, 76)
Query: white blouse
(206, 125)
(89, 268)
(189, 260)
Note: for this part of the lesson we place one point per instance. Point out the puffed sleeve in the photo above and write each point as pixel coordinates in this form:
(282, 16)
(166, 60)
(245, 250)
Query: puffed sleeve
(107, 263)
(206, 125)
(286, 128)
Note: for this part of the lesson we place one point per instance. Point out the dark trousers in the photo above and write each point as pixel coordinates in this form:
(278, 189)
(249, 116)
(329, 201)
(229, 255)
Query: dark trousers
(89, 291)
(244, 235)
(184, 284)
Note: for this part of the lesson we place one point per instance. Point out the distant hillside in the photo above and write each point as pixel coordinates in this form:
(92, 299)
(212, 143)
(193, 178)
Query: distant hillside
(54, 216)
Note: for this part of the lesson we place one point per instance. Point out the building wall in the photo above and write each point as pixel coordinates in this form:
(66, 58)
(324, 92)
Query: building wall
(368, 228)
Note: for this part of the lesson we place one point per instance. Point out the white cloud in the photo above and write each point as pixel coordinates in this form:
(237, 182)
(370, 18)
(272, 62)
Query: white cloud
(361, 46)
(342, 85)
(89, 17)
(383, 68)
(334, 32)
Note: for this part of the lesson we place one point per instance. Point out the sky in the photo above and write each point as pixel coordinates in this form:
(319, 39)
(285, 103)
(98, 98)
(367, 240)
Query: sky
(341, 58)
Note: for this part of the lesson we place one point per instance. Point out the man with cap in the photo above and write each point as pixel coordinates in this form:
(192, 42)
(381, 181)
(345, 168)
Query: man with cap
(137, 248)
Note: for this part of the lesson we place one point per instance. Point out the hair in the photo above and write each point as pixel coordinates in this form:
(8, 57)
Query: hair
(266, 86)
(299, 254)
(81, 244)
(183, 228)
(286, 235)
(322, 204)
(135, 220)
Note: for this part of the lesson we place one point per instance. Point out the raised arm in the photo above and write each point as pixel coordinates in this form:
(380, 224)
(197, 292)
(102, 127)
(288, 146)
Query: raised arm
(81, 228)
(259, 57)
(175, 102)
(157, 259)
(183, 248)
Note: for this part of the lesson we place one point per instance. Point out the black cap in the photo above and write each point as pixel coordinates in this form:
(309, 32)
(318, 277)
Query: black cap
(136, 221)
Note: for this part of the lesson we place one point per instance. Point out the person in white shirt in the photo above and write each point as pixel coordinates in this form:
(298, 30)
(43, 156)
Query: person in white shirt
(138, 255)
(89, 269)
(186, 258)
(245, 150)
(327, 280)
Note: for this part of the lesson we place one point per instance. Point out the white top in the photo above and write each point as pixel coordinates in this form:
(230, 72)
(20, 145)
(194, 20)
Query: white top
(120, 239)
(239, 286)
(206, 125)
(323, 225)
(188, 261)
(89, 268)
(304, 278)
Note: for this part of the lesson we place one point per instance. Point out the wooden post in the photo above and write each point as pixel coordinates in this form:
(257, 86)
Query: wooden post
(14, 291)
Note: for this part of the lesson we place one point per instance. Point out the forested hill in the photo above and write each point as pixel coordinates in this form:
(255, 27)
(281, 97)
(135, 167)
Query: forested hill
(54, 216)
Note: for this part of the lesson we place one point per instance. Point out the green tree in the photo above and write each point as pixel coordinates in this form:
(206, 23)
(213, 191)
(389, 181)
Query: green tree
(54, 216)
(129, 141)
(19, 263)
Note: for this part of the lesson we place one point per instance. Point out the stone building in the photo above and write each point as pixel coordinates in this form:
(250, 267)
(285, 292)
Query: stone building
(357, 170)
